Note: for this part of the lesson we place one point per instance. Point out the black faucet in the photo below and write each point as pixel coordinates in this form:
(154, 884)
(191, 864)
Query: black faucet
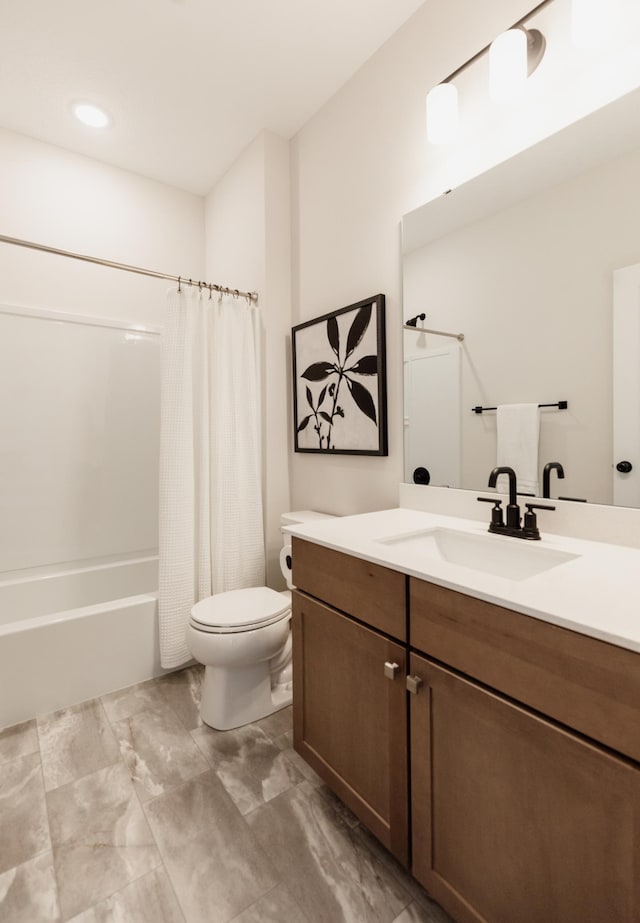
(512, 526)
(546, 477)
(513, 510)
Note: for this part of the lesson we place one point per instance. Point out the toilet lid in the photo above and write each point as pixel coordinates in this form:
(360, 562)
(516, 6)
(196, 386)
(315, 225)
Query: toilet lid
(240, 610)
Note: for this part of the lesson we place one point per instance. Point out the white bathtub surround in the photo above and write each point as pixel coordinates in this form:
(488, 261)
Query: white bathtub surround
(79, 418)
(98, 633)
(53, 591)
(211, 526)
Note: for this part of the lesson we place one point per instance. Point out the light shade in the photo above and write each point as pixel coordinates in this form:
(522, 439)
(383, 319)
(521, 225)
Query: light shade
(508, 65)
(593, 22)
(442, 114)
(91, 115)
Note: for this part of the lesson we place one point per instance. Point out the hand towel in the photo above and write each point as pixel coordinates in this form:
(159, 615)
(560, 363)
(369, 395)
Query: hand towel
(518, 432)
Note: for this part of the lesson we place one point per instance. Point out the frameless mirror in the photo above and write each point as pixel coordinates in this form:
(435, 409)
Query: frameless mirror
(536, 263)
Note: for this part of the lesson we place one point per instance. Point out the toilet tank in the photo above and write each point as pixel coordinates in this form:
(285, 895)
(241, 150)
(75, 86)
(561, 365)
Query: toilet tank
(292, 519)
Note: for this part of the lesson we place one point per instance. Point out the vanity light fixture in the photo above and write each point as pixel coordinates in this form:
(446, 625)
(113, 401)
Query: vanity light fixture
(513, 56)
(442, 113)
(507, 65)
(91, 115)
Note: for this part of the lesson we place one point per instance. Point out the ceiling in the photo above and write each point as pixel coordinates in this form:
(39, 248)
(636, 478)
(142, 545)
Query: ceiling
(188, 83)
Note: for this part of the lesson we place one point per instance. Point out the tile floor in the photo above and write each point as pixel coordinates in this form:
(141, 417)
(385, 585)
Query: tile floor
(127, 809)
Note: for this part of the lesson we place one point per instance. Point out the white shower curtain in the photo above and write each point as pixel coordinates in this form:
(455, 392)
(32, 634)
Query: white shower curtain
(211, 528)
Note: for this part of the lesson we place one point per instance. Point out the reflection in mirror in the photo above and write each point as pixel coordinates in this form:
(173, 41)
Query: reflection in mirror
(524, 261)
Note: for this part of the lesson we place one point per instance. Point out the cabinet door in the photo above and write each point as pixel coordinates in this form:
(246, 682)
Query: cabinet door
(350, 718)
(515, 818)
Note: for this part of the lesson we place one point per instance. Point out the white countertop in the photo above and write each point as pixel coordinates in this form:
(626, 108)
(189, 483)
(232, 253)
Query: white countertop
(597, 593)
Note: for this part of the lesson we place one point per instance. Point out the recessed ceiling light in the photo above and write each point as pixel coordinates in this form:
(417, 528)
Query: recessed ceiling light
(91, 115)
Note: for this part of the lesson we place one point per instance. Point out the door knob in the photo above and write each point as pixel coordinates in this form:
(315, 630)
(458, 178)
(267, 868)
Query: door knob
(624, 467)
(391, 670)
(413, 684)
(421, 476)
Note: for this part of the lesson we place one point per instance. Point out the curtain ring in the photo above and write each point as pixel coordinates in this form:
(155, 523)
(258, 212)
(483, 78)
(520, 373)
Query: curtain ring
(179, 289)
(210, 291)
(236, 293)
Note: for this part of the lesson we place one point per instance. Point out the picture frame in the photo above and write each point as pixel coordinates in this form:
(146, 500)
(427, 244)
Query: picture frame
(340, 381)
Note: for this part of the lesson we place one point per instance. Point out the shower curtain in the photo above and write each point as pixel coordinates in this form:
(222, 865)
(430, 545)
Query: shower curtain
(211, 529)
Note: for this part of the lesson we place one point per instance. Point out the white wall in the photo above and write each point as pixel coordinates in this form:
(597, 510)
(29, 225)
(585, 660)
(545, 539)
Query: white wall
(363, 161)
(54, 197)
(76, 481)
(248, 244)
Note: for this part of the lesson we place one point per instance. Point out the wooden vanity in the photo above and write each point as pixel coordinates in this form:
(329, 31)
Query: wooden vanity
(495, 754)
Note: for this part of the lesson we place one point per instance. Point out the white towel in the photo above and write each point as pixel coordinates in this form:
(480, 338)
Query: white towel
(518, 433)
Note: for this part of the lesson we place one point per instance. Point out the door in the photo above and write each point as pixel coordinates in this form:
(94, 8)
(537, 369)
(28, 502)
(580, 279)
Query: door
(626, 386)
(513, 817)
(432, 423)
(350, 719)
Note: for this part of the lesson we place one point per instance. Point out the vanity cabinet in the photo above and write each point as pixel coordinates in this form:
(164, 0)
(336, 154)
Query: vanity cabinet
(513, 817)
(521, 809)
(350, 720)
(523, 748)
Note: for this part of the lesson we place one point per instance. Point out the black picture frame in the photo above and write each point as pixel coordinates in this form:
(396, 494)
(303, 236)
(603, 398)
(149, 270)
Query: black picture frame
(340, 381)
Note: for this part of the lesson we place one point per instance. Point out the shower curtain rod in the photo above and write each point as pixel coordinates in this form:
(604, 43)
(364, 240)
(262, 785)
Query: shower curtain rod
(250, 296)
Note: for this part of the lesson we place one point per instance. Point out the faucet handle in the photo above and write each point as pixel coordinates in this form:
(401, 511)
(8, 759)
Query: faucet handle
(538, 506)
(530, 525)
(496, 512)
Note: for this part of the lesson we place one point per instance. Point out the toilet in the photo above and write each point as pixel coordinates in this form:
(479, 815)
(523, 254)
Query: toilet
(243, 638)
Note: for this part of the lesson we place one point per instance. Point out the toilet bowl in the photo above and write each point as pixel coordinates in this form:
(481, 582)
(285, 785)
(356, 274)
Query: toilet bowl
(243, 639)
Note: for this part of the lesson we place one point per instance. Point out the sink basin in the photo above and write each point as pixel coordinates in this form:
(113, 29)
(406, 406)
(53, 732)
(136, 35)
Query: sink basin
(500, 556)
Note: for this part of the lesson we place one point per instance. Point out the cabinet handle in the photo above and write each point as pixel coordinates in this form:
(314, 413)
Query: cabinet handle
(391, 670)
(413, 684)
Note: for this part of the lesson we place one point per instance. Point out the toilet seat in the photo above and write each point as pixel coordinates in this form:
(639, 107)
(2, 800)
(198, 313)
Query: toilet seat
(239, 610)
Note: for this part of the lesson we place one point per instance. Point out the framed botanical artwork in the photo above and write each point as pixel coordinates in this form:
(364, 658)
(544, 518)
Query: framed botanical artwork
(339, 381)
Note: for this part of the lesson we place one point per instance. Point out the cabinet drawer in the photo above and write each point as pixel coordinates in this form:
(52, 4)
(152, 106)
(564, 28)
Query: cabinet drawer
(373, 594)
(589, 685)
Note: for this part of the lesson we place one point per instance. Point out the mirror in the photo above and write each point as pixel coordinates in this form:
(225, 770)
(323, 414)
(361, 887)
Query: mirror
(523, 261)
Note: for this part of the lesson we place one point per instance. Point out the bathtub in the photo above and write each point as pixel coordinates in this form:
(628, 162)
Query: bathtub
(68, 635)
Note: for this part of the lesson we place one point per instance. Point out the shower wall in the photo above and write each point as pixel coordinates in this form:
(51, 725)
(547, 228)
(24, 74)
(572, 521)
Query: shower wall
(80, 424)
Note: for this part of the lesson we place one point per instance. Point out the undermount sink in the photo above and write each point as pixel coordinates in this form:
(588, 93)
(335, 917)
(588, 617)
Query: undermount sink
(512, 558)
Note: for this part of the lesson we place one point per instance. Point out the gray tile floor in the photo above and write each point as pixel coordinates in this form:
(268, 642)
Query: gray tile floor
(127, 809)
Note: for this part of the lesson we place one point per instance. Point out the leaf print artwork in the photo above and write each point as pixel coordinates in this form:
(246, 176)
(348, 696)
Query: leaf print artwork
(318, 371)
(365, 366)
(358, 328)
(341, 381)
(334, 335)
(362, 398)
